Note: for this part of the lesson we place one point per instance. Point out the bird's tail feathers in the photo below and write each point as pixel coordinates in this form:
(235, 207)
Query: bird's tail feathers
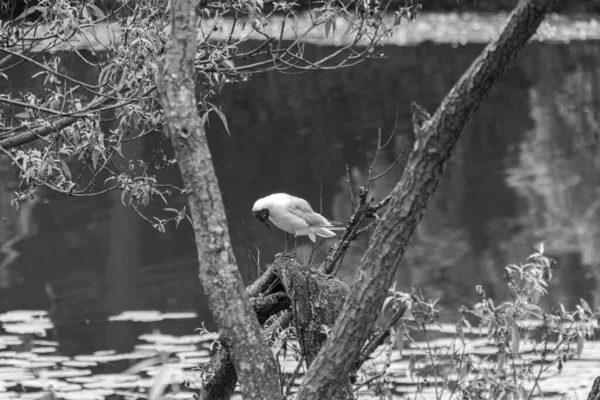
(332, 227)
(324, 232)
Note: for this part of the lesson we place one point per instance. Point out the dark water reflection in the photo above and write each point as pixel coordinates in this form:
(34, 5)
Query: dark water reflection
(526, 169)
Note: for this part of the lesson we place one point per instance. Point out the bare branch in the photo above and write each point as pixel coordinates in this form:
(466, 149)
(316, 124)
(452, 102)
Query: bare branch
(409, 200)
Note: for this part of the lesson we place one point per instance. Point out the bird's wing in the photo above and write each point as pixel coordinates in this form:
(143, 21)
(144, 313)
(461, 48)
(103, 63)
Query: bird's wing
(301, 209)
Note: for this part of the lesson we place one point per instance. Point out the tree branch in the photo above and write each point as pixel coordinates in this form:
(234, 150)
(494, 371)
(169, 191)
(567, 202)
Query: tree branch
(409, 198)
(239, 330)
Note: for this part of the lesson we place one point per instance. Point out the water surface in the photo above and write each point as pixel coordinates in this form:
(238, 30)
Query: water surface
(526, 169)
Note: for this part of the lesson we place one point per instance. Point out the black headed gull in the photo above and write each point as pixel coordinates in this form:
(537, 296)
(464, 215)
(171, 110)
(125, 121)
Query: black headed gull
(293, 215)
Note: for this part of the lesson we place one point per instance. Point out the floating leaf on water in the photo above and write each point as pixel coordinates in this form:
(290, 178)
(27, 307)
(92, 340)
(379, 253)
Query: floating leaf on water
(43, 350)
(138, 316)
(97, 394)
(63, 373)
(79, 364)
(104, 352)
(160, 348)
(179, 315)
(34, 364)
(22, 315)
(82, 379)
(179, 396)
(192, 354)
(170, 339)
(196, 361)
(113, 385)
(54, 359)
(8, 374)
(37, 396)
(53, 384)
(109, 358)
(10, 340)
(46, 343)
(38, 327)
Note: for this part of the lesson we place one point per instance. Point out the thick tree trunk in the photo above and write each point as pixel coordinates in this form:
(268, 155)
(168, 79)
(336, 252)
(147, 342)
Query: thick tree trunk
(316, 301)
(239, 330)
(266, 299)
(595, 391)
(436, 138)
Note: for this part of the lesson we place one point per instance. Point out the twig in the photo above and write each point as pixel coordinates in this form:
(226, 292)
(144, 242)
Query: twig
(348, 180)
(403, 153)
(379, 339)
(368, 381)
(288, 387)
(375, 157)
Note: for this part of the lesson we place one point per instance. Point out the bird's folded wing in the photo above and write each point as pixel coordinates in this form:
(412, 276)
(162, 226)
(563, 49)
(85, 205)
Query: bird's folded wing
(301, 209)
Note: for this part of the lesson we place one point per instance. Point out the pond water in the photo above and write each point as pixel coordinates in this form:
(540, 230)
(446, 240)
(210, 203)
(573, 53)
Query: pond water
(526, 169)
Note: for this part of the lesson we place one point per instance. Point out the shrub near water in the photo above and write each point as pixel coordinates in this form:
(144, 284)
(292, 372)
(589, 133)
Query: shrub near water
(524, 342)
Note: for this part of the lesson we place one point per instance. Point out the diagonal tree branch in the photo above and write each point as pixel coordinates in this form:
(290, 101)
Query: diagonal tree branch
(239, 330)
(436, 139)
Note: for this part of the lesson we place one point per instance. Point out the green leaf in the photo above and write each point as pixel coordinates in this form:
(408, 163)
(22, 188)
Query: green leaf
(515, 339)
(385, 303)
(223, 119)
(580, 343)
(586, 306)
(96, 11)
(400, 340)
(95, 154)
(22, 115)
(348, 30)
(65, 168)
(123, 196)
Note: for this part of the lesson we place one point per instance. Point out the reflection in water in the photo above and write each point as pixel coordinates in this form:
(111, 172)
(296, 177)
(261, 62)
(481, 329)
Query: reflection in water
(525, 170)
(559, 164)
(15, 225)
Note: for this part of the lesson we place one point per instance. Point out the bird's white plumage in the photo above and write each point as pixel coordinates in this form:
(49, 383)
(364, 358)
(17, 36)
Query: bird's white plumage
(294, 215)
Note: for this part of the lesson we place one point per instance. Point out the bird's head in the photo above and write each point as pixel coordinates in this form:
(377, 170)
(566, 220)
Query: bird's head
(261, 214)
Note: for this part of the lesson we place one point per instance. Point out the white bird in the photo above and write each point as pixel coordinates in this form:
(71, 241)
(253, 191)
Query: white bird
(293, 215)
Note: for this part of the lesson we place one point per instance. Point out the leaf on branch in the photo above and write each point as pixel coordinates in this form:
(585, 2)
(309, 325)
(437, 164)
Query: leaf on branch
(515, 338)
(580, 343)
(330, 27)
(221, 116)
(400, 340)
(65, 168)
(386, 302)
(23, 115)
(97, 12)
(95, 154)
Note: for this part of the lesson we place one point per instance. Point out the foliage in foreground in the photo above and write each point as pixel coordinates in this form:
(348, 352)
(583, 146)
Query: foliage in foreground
(528, 340)
(83, 123)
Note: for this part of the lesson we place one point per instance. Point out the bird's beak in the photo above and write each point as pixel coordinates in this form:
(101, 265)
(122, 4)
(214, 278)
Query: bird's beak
(263, 216)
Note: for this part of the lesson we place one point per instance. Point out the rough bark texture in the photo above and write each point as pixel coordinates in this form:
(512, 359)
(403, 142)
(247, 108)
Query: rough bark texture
(595, 391)
(265, 301)
(316, 303)
(435, 141)
(239, 329)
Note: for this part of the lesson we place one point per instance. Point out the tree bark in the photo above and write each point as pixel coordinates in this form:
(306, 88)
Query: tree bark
(316, 301)
(239, 330)
(595, 391)
(435, 141)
